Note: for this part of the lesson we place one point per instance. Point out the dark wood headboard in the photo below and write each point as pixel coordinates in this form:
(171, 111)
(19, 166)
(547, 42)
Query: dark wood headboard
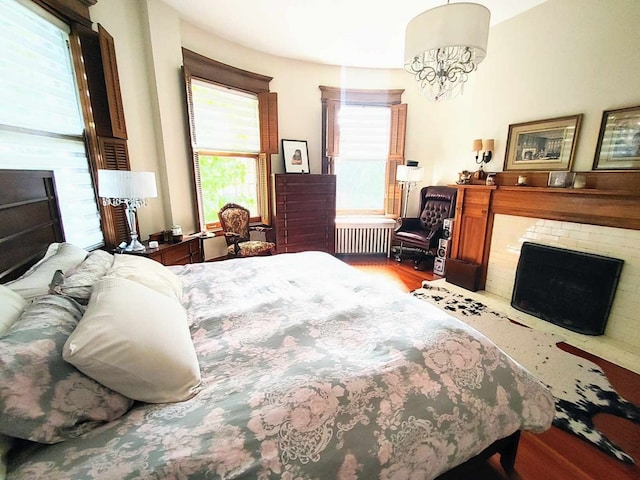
(29, 219)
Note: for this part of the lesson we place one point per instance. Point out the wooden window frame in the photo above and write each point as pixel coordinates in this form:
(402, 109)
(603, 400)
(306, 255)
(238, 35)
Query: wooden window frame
(332, 99)
(208, 70)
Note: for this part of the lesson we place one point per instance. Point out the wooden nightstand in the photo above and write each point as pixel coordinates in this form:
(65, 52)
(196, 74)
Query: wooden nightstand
(189, 250)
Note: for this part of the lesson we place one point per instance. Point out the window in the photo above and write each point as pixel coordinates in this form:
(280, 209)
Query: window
(363, 134)
(41, 125)
(227, 133)
(361, 165)
(233, 127)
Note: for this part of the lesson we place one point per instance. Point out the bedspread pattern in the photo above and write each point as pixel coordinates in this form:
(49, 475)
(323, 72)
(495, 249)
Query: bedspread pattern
(312, 370)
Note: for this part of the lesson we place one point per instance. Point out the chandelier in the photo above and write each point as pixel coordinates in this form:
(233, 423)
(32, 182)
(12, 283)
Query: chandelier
(444, 45)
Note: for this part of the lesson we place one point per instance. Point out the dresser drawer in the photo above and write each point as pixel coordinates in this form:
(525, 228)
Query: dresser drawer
(181, 253)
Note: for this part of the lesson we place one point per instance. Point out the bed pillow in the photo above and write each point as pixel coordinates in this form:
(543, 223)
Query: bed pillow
(79, 281)
(42, 397)
(11, 306)
(146, 272)
(136, 341)
(35, 282)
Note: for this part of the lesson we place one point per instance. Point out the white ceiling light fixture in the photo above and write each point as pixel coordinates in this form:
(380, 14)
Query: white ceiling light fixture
(444, 45)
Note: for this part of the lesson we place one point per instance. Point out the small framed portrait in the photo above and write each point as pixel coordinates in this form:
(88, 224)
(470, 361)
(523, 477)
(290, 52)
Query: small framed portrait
(296, 156)
(619, 140)
(560, 179)
(543, 144)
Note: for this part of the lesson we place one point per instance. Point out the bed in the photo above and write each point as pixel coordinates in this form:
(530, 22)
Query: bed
(304, 368)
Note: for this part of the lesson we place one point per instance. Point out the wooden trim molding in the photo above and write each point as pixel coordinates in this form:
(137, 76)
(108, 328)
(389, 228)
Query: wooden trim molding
(610, 208)
(200, 66)
(69, 10)
(362, 97)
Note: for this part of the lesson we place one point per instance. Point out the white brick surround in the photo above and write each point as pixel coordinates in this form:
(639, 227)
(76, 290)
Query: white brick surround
(621, 342)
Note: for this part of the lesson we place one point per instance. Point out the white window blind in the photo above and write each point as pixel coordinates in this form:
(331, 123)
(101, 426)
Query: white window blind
(360, 168)
(41, 126)
(225, 120)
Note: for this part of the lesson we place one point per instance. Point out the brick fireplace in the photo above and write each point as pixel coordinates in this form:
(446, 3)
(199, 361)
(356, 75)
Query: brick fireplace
(493, 222)
(509, 232)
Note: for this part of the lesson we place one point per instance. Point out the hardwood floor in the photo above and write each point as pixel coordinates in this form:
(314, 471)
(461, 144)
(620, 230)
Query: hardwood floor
(554, 454)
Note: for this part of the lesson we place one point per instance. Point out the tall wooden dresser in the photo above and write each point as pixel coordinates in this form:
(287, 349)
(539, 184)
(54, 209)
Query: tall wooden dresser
(305, 212)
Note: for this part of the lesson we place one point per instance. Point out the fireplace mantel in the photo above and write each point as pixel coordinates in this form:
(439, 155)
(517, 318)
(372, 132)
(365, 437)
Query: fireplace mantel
(611, 199)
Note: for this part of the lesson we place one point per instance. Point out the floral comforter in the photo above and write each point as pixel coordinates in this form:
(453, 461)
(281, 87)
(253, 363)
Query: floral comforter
(311, 370)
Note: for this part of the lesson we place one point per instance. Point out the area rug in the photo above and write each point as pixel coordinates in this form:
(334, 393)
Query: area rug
(579, 386)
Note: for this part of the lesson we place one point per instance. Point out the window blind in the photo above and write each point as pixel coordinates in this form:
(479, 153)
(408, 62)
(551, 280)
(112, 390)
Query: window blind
(361, 163)
(364, 132)
(41, 125)
(225, 120)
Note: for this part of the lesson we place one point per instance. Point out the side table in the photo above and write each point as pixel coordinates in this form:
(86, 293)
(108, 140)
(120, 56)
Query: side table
(188, 250)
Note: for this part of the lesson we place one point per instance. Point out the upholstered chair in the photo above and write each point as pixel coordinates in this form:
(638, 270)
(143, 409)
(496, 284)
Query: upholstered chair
(234, 220)
(424, 232)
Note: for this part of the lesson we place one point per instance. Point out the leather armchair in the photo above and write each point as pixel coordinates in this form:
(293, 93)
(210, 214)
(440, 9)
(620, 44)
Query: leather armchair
(424, 232)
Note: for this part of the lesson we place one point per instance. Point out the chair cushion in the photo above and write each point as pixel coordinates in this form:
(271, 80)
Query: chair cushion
(252, 248)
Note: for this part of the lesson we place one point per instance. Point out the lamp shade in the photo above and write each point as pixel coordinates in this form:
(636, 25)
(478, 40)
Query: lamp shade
(487, 145)
(126, 184)
(450, 25)
(477, 145)
(405, 173)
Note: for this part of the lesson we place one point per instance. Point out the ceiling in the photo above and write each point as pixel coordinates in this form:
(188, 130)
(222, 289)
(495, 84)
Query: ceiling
(357, 33)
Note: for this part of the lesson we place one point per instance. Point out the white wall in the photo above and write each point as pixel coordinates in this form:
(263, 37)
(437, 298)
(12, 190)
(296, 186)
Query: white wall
(563, 57)
(560, 58)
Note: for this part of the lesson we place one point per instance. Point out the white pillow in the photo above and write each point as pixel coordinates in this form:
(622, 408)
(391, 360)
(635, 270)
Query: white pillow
(36, 281)
(135, 341)
(146, 272)
(11, 306)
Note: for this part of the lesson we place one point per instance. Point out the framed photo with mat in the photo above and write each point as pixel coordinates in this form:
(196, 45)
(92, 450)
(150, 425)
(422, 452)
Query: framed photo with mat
(296, 156)
(543, 144)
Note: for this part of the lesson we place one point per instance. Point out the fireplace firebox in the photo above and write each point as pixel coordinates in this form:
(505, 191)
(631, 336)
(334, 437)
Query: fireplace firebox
(571, 289)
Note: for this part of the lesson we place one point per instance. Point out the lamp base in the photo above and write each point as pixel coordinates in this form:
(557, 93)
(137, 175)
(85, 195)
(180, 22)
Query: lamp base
(135, 246)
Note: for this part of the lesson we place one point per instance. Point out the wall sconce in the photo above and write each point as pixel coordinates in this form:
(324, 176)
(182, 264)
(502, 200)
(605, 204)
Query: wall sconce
(486, 147)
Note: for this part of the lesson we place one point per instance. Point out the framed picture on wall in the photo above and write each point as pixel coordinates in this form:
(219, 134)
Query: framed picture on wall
(542, 144)
(296, 156)
(619, 140)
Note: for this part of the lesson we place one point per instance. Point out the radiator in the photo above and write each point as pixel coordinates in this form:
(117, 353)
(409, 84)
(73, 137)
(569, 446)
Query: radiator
(364, 236)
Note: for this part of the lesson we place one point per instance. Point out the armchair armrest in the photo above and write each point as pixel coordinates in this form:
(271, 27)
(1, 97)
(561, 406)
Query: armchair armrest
(269, 233)
(233, 237)
(261, 228)
(406, 224)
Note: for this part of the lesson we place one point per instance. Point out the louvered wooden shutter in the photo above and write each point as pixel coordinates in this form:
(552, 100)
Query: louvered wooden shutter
(114, 156)
(396, 157)
(112, 84)
(333, 133)
(268, 108)
(99, 61)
